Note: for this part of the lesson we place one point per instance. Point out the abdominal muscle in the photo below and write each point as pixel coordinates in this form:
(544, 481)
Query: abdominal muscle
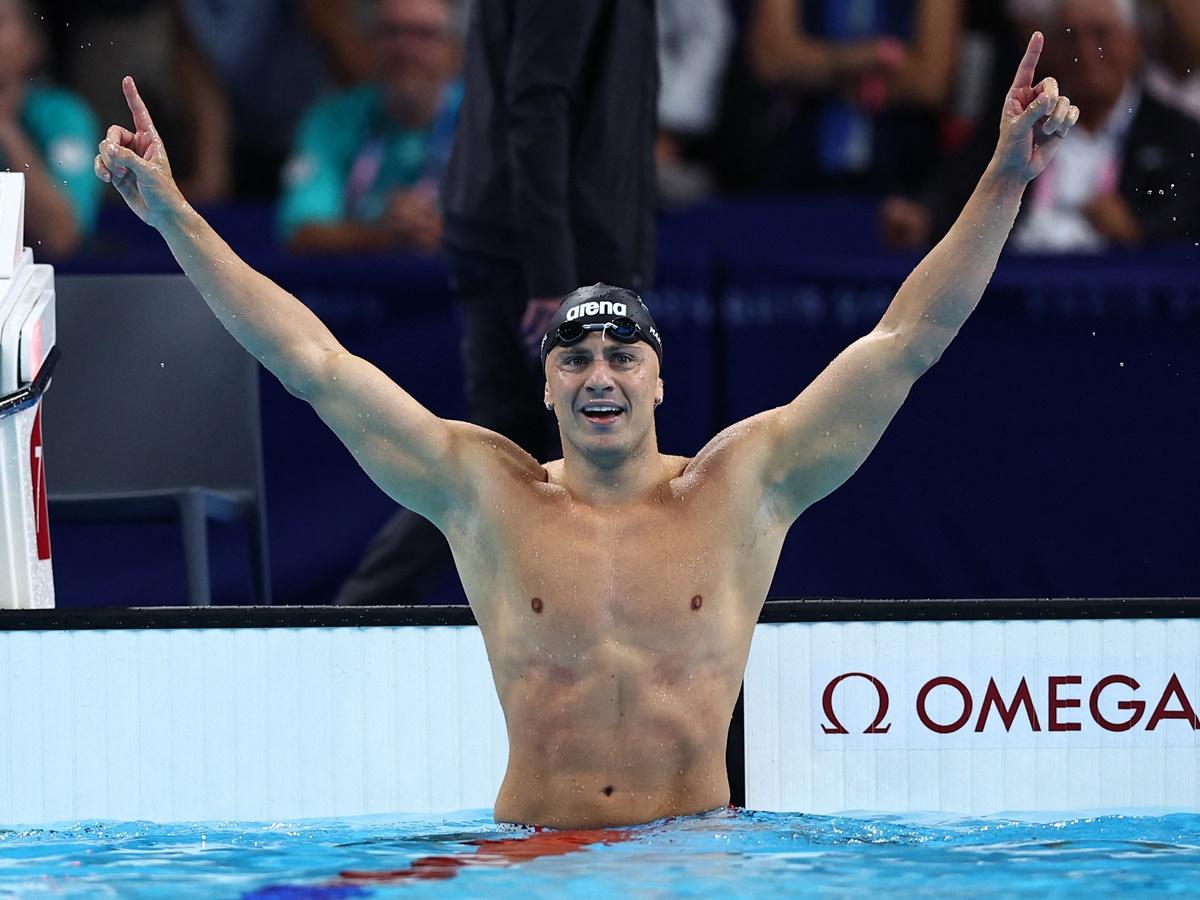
(620, 737)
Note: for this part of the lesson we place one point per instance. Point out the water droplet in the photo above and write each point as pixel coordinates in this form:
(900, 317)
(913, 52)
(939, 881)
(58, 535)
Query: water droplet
(162, 365)
(1122, 365)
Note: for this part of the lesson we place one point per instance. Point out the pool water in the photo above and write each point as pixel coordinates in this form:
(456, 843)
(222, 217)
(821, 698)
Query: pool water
(724, 853)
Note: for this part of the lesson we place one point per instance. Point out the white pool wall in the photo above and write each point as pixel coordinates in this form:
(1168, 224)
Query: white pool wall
(201, 724)
(279, 723)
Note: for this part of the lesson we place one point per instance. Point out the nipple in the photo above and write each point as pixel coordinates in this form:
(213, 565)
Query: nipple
(697, 602)
(536, 603)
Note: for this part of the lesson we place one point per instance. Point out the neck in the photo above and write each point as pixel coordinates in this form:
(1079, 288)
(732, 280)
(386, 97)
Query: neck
(601, 479)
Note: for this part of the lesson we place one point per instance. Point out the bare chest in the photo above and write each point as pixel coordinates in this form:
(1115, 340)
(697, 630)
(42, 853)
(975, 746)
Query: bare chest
(668, 577)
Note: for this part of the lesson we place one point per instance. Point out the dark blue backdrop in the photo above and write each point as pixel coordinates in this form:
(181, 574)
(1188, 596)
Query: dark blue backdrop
(1052, 452)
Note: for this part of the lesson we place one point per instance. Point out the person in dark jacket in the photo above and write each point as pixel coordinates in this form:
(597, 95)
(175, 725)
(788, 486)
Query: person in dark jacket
(550, 186)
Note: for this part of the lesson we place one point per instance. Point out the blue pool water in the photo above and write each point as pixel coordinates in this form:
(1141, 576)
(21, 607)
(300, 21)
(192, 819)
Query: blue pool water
(725, 853)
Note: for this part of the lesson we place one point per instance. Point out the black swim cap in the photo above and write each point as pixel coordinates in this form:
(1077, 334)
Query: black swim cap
(601, 304)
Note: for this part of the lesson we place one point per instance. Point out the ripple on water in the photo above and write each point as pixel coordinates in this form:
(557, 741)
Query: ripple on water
(735, 852)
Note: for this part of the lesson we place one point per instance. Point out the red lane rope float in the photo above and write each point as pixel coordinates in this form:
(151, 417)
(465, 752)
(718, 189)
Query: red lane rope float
(494, 853)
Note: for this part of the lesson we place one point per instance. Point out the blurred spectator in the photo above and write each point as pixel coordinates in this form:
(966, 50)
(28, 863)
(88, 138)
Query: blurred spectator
(1125, 175)
(694, 37)
(857, 89)
(48, 134)
(248, 71)
(1173, 65)
(365, 167)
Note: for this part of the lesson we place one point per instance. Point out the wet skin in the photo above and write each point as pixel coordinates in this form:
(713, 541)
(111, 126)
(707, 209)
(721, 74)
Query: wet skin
(617, 625)
(617, 636)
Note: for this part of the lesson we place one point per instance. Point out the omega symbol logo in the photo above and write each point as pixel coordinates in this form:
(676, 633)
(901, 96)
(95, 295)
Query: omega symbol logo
(834, 725)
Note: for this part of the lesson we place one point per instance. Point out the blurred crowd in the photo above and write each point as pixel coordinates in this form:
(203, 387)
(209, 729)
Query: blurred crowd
(342, 112)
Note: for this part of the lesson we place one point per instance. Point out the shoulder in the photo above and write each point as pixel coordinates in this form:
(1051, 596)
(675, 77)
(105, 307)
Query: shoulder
(734, 457)
(494, 476)
(489, 452)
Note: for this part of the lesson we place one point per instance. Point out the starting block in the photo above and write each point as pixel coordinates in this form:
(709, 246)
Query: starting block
(27, 358)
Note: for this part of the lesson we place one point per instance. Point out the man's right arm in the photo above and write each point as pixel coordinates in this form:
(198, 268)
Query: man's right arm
(407, 451)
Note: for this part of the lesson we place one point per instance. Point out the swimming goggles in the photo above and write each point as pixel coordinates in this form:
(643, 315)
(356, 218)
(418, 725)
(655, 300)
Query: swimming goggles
(622, 328)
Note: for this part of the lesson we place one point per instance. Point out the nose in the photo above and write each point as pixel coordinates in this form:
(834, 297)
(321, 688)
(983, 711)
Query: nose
(599, 379)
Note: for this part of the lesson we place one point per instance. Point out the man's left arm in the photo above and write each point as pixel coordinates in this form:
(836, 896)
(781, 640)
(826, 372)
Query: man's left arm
(820, 439)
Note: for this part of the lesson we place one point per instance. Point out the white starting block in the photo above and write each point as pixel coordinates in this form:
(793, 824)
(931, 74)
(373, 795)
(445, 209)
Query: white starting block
(27, 358)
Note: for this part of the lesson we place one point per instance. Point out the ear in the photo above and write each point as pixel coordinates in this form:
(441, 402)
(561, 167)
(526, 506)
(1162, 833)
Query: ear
(658, 394)
(546, 397)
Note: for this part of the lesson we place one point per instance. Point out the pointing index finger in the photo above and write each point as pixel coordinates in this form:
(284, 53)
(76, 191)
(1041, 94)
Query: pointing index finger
(141, 115)
(1028, 66)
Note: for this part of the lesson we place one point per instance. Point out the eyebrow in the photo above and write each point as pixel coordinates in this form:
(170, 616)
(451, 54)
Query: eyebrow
(614, 346)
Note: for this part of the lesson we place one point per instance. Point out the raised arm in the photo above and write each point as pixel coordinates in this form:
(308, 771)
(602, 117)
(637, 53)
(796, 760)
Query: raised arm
(409, 452)
(806, 449)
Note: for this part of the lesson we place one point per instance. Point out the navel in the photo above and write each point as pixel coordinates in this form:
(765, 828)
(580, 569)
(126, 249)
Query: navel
(697, 602)
(536, 603)
(608, 790)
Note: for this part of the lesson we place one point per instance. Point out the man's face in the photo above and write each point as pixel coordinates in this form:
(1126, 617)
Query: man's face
(1094, 52)
(415, 48)
(604, 393)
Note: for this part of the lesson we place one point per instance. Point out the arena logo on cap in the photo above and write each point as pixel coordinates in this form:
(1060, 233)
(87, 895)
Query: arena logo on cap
(996, 710)
(597, 308)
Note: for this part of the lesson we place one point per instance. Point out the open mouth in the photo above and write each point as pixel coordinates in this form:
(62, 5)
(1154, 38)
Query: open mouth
(602, 413)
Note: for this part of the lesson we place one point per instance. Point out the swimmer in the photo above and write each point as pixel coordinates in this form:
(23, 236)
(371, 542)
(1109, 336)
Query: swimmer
(617, 588)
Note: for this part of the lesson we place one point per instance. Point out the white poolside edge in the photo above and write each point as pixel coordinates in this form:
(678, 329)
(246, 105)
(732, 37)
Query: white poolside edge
(270, 724)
